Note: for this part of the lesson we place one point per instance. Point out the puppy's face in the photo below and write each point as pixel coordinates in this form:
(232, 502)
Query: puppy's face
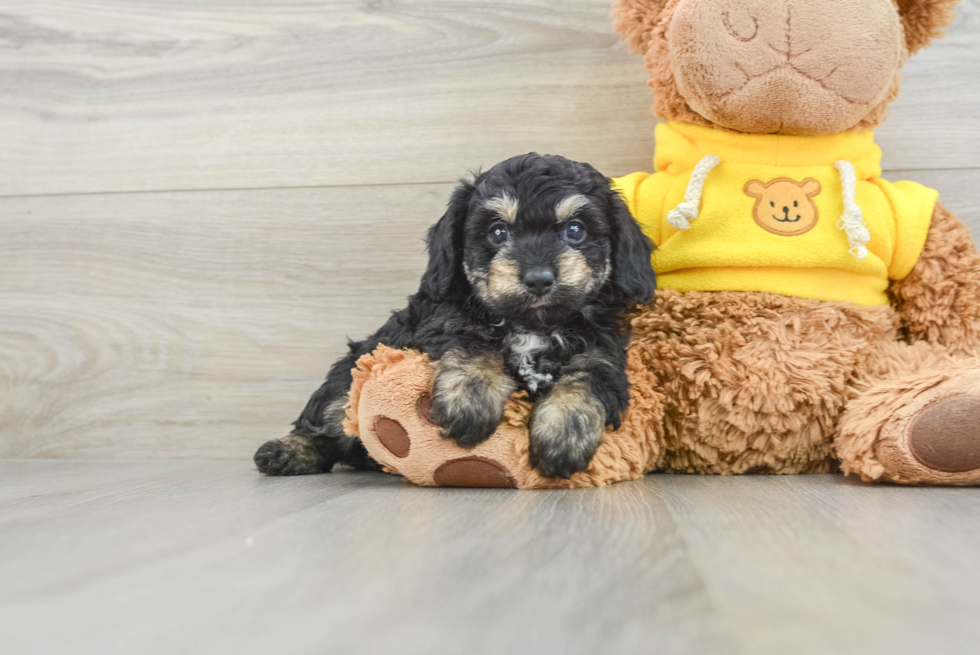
(537, 238)
(542, 253)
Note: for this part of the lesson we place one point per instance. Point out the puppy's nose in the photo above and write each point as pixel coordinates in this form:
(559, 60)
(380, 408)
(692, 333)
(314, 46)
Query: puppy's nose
(539, 280)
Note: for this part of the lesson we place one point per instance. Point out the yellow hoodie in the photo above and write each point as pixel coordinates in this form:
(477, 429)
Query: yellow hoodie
(800, 216)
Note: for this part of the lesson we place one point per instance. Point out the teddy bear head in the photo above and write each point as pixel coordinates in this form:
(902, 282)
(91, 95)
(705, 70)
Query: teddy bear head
(801, 67)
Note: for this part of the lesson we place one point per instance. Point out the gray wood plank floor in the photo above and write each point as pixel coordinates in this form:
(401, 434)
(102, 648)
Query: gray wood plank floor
(166, 557)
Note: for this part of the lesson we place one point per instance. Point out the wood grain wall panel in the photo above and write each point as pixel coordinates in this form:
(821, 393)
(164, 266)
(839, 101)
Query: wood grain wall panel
(108, 95)
(190, 323)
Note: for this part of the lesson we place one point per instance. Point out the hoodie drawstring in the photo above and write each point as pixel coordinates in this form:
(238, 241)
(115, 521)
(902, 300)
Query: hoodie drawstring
(680, 217)
(851, 221)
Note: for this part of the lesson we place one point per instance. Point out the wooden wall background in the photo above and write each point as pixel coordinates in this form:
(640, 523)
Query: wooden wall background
(200, 198)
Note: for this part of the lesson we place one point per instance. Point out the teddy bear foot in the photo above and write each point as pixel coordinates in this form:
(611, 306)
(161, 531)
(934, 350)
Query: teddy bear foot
(391, 402)
(465, 471)
(945, 436)
(929, 431)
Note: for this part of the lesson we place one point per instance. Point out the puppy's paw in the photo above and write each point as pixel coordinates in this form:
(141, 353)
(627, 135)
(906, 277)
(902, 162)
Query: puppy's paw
(566, 429)
(292, 455)
(468, 396)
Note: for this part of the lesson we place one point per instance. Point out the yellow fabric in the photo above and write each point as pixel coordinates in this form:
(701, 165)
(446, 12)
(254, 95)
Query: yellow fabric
(726, 249)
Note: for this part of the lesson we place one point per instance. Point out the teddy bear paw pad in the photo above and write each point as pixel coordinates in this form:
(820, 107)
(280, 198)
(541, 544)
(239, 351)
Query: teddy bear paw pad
(946, 435)
(392, 436)
(474, 472)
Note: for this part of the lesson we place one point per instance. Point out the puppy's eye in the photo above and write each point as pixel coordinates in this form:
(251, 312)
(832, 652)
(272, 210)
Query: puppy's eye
(574, 232)
(498, 234)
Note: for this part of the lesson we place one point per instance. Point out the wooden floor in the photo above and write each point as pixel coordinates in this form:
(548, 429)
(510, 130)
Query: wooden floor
(210, 557)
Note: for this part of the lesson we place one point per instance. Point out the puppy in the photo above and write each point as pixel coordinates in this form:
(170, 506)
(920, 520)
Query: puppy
(530, 272)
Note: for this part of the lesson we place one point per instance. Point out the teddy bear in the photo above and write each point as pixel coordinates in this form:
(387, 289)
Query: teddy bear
(810, 316)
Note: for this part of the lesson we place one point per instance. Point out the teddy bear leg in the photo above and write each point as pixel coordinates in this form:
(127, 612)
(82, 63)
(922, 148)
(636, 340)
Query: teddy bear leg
(917, 422)
(389, 407)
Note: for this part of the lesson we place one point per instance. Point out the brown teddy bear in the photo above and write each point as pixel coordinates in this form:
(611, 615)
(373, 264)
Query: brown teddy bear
(809, 313)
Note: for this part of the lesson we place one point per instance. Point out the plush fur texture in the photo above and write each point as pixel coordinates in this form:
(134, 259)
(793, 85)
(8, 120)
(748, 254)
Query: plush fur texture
(924, 20)
(757, 387)
(529, 275)
(939, 302)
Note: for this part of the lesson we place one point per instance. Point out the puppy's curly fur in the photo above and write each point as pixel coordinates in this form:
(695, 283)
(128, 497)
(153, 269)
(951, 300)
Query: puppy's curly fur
(530, 272)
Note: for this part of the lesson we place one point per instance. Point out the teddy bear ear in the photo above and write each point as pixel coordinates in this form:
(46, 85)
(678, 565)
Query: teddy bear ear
(755, 189)
(924, 20)
(634, 20)
(811, 187)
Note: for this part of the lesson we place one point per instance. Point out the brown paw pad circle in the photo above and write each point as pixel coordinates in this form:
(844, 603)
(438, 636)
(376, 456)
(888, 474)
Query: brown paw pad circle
(392, 436)
(473, 472)
(946, 435)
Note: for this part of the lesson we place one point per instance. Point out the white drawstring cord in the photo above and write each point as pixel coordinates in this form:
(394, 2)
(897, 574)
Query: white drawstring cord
(852, 221)
(680, 217)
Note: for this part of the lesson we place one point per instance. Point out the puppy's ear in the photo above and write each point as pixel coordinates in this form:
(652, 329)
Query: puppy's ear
(924, 20)
(632, 270)
(445, 245)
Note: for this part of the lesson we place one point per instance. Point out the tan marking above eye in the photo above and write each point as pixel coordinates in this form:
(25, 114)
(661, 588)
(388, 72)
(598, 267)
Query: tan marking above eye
(504, 205)
(569, 205)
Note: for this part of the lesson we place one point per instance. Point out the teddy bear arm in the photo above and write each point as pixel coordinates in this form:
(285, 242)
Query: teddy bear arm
(939, 301)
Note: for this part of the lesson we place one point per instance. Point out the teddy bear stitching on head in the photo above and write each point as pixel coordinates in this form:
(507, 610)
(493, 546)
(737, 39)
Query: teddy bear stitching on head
(810, 315)
(807, 68)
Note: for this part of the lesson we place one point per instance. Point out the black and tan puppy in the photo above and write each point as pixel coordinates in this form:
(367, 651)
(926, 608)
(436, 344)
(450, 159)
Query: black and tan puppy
(530, 271)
